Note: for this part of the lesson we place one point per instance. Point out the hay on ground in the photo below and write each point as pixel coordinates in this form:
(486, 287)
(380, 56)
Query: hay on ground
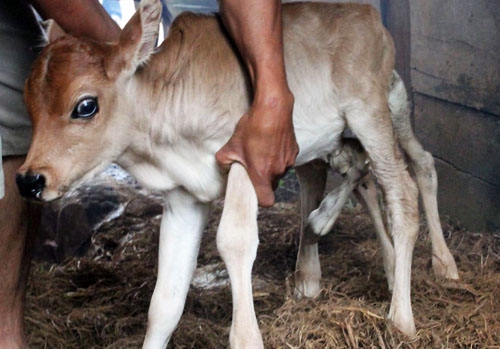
(101, 300)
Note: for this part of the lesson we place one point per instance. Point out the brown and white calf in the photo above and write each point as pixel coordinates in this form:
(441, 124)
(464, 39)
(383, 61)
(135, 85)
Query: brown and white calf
(162, 114)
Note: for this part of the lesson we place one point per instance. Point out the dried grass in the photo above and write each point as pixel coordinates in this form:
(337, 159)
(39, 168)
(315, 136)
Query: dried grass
(101, 300)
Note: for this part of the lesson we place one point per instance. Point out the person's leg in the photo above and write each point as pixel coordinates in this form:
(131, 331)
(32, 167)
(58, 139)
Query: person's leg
(14, 256)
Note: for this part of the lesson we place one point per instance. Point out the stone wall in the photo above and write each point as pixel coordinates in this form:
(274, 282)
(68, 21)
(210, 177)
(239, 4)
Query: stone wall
(455, 75)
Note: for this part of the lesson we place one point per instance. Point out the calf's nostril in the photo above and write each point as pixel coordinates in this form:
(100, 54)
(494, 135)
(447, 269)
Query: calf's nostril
(30, 185)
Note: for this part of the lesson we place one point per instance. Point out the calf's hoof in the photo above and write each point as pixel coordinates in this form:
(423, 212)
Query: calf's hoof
(403, 323)
(445, 267)
(307, 289)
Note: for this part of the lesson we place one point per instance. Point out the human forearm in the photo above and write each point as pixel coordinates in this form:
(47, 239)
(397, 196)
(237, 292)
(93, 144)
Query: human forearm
(80, 18)
(256, 28)
(264, 140)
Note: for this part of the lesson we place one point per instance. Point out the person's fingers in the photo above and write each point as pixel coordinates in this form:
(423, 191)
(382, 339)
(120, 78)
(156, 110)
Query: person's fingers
(263, 189)
(264, 156)
(265, 193)
(264, 182)
(293, 158)
(228, 154)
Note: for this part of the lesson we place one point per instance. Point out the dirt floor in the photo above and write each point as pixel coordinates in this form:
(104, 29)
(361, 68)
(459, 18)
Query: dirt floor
(101, 300)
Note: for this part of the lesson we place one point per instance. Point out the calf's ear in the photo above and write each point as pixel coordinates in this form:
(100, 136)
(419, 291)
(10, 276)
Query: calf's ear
(137, 40)
(52, 30)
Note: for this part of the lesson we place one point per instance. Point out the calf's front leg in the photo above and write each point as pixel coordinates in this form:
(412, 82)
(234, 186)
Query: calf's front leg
(183, 221)
(237, 241)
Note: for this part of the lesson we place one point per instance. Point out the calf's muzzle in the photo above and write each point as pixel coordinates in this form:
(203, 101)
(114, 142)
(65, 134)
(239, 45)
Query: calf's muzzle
(30, 185)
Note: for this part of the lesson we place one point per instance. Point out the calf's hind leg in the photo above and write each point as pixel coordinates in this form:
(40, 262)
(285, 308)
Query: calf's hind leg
(421, 164)
(371, 122)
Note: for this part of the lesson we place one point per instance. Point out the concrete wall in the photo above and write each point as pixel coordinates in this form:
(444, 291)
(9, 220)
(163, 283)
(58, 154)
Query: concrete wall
(455, 75)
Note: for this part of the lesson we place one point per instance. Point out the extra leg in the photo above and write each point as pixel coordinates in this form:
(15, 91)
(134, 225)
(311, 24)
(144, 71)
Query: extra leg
(312, 178)
(366, 192)
(237, 241)
(373, 127)
(180, 234)
(352, 164)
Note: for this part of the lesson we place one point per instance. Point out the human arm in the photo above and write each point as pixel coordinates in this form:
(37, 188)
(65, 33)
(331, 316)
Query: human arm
(80, 18)
(264, 140)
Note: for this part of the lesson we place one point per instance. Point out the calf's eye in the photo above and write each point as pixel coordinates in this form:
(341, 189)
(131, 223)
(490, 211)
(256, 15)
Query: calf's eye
(86, 108)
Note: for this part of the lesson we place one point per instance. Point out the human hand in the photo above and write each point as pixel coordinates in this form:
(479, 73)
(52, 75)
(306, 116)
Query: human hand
(264, 143)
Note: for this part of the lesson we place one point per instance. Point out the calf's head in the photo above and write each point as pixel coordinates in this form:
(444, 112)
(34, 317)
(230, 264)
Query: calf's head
(76, 99)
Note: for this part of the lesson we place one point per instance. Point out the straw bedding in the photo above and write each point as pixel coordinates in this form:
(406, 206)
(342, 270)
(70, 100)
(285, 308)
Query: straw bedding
(101, 300)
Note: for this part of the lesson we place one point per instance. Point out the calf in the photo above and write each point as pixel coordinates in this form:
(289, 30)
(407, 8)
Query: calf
(84, 96)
